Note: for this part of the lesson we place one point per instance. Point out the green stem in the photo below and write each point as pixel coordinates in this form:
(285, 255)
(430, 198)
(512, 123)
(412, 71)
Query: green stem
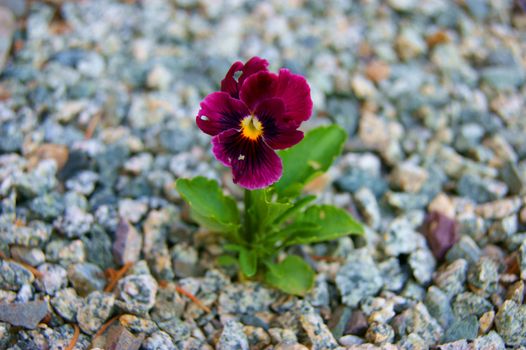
(248, 234)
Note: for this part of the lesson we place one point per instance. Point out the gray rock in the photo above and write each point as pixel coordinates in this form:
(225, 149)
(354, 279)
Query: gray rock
(244, 299)
(132, 210)
(393, 275)
(5, 334)
(137, 324)
(319, 334)
(478, 8)
(451, 278)
(26, 315)
(470, 304)
(137, 294)
(233, 337)
(7, 29)
(463, 328)
(158, 340)
(175, 140)
(466, 249)
(83, 182)
(94, 311)
(31, 256)
(13, 276)
(454, 345)
(511, 175)
(127, 244)
(178, 330)
(419, 321)
(401, 238)
(358, 278)
(491, 341)
(438, 305)
(66, 303)
(503, 77)
(119, 338)
(422, 263)
(65, 252)
(358, 178)
(413, 291)
(185, 260)
(18, 7)
(499, 209)
(479, 189)
(48, 206)
(256, 336)
(75, 222)
(98, 246)
(368, 206)
(40, 181)
(11, 138)
(510, 322)
(412, 341)
(380, 333)
(350, 340)
(319, 295)
(52, 279)
(86, 278)
(32, 235)
(503, 228)
(522, 259)
(168, 304)
(483, 277)
(469, 136)
(403, 5)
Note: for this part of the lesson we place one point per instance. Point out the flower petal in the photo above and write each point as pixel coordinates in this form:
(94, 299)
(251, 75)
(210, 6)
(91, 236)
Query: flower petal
(254, 164)
(257, 88)
(220, 112)
(277, 132)
(294, 90)
(231, 84)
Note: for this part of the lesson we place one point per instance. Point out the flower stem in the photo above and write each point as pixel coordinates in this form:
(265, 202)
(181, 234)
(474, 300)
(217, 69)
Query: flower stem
(248, 234)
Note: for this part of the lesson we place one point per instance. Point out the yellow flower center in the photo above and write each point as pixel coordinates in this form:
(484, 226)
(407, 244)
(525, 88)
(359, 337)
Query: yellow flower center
(251, 127)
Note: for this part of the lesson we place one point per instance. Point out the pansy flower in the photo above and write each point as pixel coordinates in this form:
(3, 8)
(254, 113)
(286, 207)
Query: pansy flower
(255, 113)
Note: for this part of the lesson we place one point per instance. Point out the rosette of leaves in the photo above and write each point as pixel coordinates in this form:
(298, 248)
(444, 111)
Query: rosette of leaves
(276, 217)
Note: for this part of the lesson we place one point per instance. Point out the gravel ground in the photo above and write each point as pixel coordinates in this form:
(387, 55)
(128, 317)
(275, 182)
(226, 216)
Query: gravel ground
(97, 106)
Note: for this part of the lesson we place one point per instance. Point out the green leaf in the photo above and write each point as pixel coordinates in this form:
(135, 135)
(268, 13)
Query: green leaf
(264, 211)
(292, 275)
(248, 262)
(333, 223)
(295, 209)
(226, 260)
(309, 158)
(282, 235)
(209, 206)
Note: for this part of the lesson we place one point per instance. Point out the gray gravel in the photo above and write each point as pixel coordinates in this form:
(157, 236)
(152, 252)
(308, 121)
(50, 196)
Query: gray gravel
(97, 106)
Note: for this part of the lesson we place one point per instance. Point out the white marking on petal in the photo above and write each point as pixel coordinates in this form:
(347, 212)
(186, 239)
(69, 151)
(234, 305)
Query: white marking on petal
(241, 157)
(204, 118)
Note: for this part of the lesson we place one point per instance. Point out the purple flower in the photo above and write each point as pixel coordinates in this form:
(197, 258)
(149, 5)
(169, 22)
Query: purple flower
(255, 113)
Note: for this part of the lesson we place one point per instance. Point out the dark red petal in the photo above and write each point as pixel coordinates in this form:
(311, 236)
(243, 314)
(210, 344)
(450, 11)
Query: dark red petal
(220, 112)
(229, 84)
(294, 90)
(257, 88)
(254, 164)
(285, 139)
(278, 134)
(253, 65)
